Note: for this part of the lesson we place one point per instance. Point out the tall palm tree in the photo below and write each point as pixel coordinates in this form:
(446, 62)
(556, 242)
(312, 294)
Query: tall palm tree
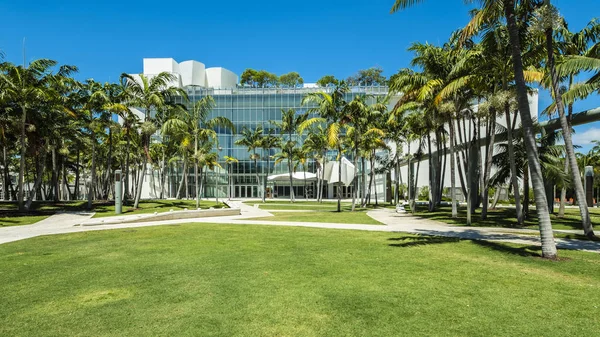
(229, 161)
(495, 10)
(316, 142)
(331, 107)
(150, 94)
(195, 122)
(548, 17)
(26, 87)
(289, 125)
(269, 142)
(252, 139)
(364, 119)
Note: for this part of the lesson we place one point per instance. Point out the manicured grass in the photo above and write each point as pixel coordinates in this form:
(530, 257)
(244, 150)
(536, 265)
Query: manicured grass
(152, 206)
(323, 216)
(219, 280)
(506, 217)
(39, 210)
(21, 220)
(48, 206)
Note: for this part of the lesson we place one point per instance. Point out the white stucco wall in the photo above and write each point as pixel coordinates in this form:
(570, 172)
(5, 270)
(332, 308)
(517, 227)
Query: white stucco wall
(220, 78)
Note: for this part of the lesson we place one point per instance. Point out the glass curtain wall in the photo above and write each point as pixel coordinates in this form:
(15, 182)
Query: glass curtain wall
(253, 107)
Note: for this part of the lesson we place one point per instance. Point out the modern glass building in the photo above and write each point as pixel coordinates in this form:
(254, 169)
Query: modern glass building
(251, 108)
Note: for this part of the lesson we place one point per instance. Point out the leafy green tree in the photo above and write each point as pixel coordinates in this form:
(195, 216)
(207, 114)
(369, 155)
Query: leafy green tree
(291, 80)
(327, 80)
(368, 77)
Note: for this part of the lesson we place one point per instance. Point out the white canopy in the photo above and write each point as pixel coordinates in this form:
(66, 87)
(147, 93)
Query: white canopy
(332, 172)
(296, 176)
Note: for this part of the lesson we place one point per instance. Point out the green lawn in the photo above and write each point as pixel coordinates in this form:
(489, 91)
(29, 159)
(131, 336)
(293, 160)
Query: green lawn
(323, 216)
(46, 206)
(41, 210)
(506, 217)
(152, 206)
(21, 220)
(219, 280)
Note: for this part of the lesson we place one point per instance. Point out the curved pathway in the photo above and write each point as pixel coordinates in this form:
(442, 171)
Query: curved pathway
(392, 222)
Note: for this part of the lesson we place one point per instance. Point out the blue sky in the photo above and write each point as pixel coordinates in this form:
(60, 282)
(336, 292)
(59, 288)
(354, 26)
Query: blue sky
(314, 38)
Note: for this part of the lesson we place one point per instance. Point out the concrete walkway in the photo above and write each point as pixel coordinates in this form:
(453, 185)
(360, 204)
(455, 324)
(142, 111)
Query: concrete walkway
(412, 224)
(393, 222)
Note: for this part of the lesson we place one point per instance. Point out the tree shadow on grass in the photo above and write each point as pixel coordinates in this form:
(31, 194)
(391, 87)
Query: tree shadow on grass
(526, 251)
(421, 240)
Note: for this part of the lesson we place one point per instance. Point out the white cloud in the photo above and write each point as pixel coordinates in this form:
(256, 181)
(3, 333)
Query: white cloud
(586, 137)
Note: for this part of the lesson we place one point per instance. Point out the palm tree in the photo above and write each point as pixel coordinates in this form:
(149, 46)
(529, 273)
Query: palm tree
(26, 87)
(269, 142)
(548, 16)
(229, 161)
(365, 119)
(316, 142)
(252, 139)
(332, 108)
(302, 156)
(495, 10)
(290, 124)
(151, 94)
(196, 124)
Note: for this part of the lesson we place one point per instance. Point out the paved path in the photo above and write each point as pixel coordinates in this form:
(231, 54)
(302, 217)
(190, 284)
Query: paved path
(68, 223)
(413, 224)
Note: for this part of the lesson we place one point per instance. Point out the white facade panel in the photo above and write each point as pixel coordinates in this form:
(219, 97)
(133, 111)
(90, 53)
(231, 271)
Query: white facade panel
(192, 73)
(153, 66)
(220, 78)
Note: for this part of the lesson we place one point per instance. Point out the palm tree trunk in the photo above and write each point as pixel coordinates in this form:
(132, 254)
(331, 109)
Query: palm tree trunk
(526, 192)
(563, 193)
(180, 188)
(55, 175)
(564, 123)
(142, 175)
(415, 187)
(371, 176)
(93, 173)
(491, 130)
(77, 176)
(305, 194)
(38, 180)
(127, 150)
(264, 198)
(22, 158)
(196, 170)
(355, 182)
(546, 233)
(339, 203)
(5, 174)
(513, 166)
(363, 201)
(201, 181)
(443, 176)
(323, 175)
(452, 171)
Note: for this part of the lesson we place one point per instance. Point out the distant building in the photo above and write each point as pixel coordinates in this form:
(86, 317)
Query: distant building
(248, 107)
